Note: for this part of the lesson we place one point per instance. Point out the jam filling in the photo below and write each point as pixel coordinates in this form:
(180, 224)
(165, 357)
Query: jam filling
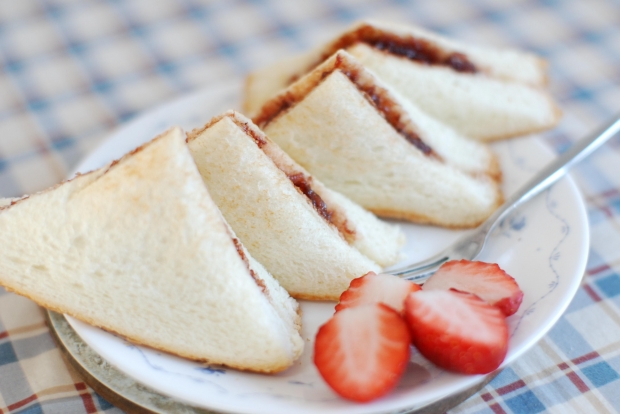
(422, 51)
(300, 181)
(412, 48)
(375, 95)
(386, 106)
(258, 280)
(260, 141)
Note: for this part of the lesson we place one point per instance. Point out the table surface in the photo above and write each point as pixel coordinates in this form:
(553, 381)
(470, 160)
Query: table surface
(73, 70)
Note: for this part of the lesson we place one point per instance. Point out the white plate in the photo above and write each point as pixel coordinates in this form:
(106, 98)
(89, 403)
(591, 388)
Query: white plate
(544, 246)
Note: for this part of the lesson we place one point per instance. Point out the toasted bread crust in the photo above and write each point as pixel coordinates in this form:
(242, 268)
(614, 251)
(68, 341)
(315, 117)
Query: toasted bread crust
(306, 296)
(422, 219)
(495, 170)
(271, 369)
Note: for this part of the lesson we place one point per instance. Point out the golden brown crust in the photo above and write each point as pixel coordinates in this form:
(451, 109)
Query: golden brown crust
(193, 134)
(107, 168)
(306, 296)
(423, 219)
(13, 202)
(135, 340)
(495, 170)
(252, 131)
(19, 200)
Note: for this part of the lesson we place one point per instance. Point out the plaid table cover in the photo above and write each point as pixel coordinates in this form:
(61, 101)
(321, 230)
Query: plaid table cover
(73, 70)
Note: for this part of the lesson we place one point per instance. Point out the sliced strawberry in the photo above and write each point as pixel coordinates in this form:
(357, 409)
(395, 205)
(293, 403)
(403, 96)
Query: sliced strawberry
(377, 288)
(485, 280)
(457, 331)
(362, 352)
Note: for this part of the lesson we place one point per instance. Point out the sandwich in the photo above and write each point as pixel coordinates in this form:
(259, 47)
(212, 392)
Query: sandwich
(482, 92)
(139, 249)
(313, 240)
(358, 136)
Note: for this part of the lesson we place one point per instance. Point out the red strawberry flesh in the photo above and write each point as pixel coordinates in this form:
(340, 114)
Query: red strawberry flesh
(457, 331)
(362, 352)
(485, 280)
(377, 288)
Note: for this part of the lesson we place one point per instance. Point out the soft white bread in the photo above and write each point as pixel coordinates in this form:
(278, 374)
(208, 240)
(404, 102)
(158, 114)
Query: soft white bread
(139, 248)
(484, 92)
(303, 244)
(349, 130)
(476, 105)
(470, 156)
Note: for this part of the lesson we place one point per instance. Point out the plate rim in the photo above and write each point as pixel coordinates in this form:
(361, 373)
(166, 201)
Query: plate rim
(133, 396)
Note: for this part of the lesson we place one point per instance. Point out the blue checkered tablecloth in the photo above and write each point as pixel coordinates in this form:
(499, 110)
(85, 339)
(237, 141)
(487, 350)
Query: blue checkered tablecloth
(72, 70)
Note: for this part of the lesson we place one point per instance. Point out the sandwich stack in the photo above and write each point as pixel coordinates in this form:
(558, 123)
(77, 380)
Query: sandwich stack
(312, 239)
(482, 92)
(139, 248)
(380, 118)
(359, 137)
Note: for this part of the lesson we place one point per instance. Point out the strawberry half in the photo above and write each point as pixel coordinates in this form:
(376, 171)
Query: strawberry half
(377, 288)
(457, 331)
(485, 280)
(362, 352)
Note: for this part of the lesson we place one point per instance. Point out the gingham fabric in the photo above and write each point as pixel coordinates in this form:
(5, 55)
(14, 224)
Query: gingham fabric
(72, 70)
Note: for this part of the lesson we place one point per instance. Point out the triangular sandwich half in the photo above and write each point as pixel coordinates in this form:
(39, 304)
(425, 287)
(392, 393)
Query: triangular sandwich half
(312, 239)
(483, 92)
(355, 134)
(139, 248)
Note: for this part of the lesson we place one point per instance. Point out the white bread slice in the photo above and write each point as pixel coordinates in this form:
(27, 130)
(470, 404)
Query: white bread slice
(503, 98)
(349, 130)
(478, 106)
(501, 63)
(304, 245)
(139, 248)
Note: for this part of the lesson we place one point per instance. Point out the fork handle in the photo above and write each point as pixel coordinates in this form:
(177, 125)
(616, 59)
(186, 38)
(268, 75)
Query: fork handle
(554, 171)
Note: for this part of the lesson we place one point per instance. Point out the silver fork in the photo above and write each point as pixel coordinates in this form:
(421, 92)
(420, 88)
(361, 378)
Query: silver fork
(471, 244)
